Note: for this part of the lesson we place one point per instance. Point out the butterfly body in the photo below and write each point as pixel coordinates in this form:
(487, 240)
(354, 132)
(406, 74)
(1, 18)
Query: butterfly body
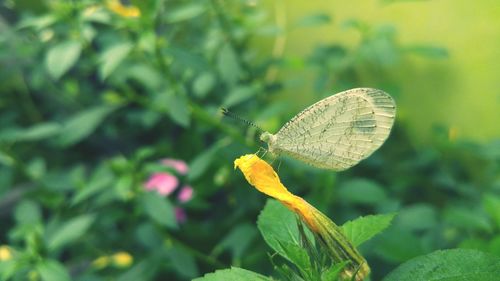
(337, 132)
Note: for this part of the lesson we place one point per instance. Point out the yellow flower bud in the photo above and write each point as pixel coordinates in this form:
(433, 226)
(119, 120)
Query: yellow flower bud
(128, 11)
(122, 259)
(5, 253)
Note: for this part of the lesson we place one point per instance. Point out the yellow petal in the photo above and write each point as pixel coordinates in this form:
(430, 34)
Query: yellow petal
(263, 177)
(125, 11)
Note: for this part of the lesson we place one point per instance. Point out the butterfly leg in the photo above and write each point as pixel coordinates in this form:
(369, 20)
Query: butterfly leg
(279, 165)
(262, 151)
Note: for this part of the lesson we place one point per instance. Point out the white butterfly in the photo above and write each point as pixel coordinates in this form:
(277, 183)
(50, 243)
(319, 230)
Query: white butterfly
(337, 132)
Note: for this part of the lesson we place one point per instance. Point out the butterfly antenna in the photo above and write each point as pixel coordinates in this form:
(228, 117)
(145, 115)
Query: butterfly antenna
(228, 113)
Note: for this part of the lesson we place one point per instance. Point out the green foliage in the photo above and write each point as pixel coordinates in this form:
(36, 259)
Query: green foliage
(492, 205)
(37, 132)
(111, 58)
(69, 231)
(457, 264)
(183, 262)
(159, 210)
(52, 270)
(364, 228)
(277, 224)
(284, 233)
(92, 100)
(82, 124)
(281, 231)
(62, 57)
(237, 241)
(236, 274)
(362, 191)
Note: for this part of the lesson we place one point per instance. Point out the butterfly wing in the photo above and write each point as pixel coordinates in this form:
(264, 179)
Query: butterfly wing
(339, 131)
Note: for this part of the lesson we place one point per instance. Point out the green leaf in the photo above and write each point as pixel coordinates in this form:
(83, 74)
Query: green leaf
(62, 57)
(398, 245)
(494, 246)
(141, 271)
(34, 133)
(185, 12)
(159, 209)
(178, 110)
(228, 65)
(36, 168)
(364, 228)
(51, 270)
(475, 244)
(82, 124)
(492, 205)
(240, 94)
(203, 84)
(176, 106)
(200, 164)
(332, 274)
(183, 262)
(112, 57)
(298, 256)
(37, 22)
(314, 20)
(362, 191)
(146, 75)
(6, 159)
(237, 240)
(417, 217)
(28, 212)
(98, 16)
(278, 225)
(40, 131)
(467, 218)
(233, 274)
(101, 179)
(449, 265)
(70, 231)
(358, 25)
(8, 268)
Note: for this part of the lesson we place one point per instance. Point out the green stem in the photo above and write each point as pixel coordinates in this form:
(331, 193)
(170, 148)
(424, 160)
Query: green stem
(28, 103)
(340, 248)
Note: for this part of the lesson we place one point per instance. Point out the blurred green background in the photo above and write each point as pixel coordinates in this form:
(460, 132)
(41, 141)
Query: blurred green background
(94, 95)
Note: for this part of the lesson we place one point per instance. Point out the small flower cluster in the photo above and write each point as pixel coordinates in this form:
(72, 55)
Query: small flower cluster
(165, 183)
(120, 259)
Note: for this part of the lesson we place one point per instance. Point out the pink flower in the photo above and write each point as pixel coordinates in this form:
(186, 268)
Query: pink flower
(163, 183)
(180, 166)
(185, 194)
(180, 214)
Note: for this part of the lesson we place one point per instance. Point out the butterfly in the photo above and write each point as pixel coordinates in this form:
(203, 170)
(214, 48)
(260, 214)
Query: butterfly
(336, 132)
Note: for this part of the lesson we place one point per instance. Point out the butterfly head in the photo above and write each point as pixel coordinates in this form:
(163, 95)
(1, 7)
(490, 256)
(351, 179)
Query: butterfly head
(270, 139)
